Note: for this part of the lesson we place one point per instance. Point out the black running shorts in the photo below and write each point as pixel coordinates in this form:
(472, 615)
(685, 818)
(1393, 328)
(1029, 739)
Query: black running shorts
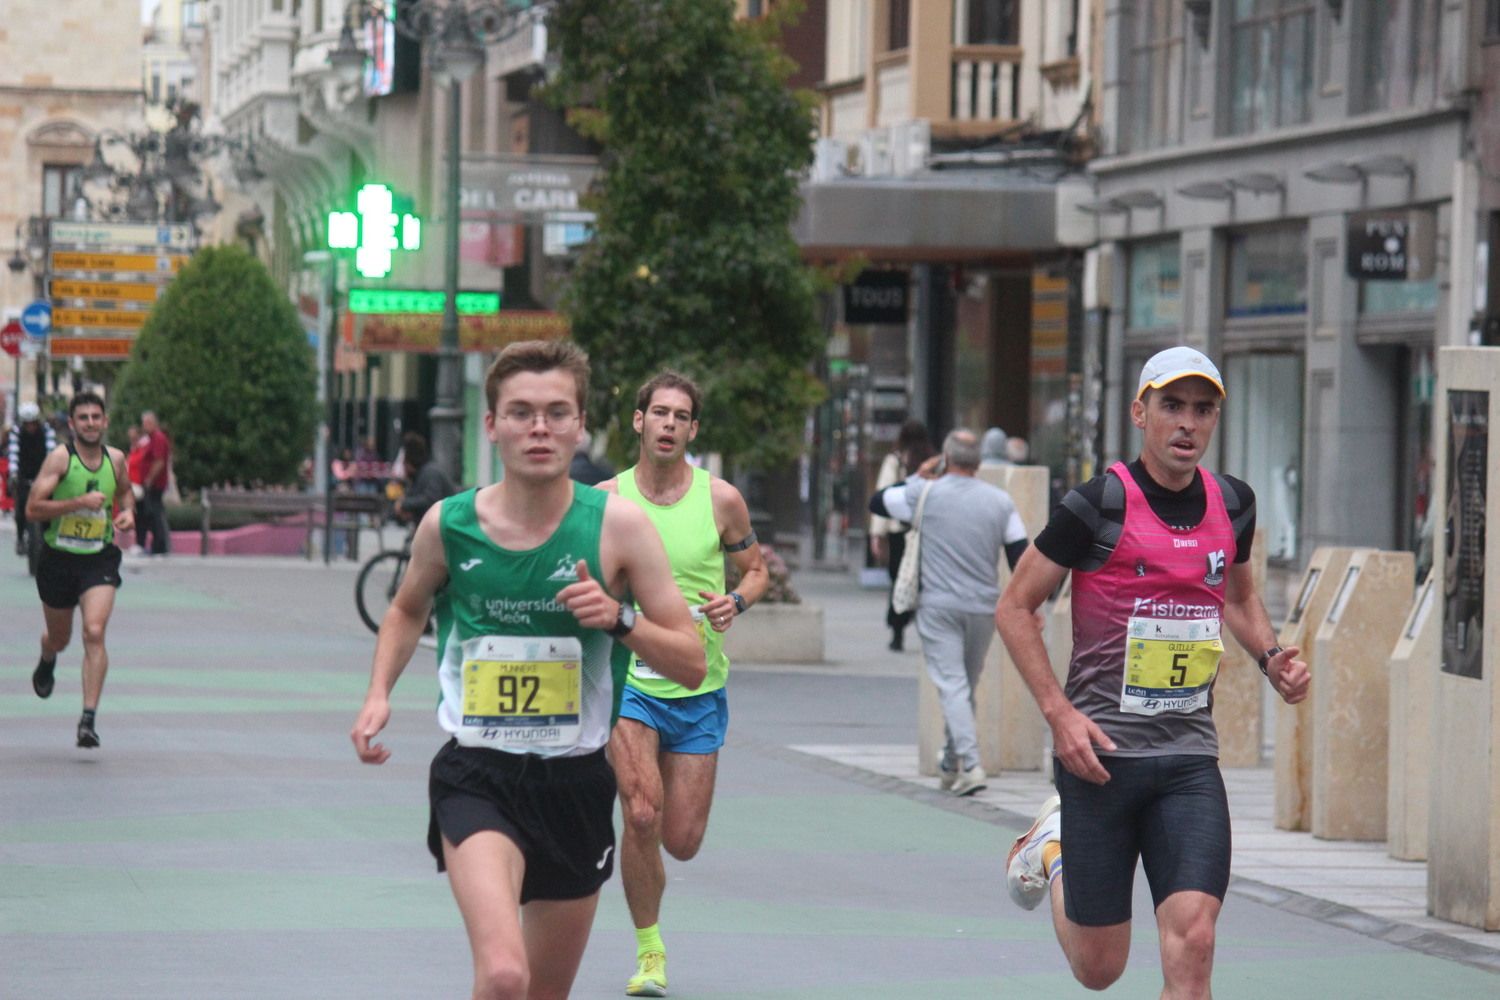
(62, 577)
(1170, 812)
(558, 810)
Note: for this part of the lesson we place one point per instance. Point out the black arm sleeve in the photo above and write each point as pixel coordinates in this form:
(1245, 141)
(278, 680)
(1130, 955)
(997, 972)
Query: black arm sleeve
(877, 504)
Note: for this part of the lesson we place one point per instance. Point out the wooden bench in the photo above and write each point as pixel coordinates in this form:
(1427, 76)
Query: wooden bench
(259, 502)
(349, 512)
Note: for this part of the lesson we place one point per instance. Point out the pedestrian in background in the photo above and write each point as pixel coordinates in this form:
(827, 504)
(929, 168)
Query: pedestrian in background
(966, 524)
(888, 535)
(587, 469)
(28, 444)
(427, 483)
(155, 539)
(993, 453)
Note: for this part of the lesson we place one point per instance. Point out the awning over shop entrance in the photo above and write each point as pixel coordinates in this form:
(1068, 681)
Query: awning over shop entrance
(948, 215)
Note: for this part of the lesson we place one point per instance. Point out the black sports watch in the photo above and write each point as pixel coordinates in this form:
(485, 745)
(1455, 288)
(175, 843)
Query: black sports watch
(1265, 658)
(740, 607)
(624, 621)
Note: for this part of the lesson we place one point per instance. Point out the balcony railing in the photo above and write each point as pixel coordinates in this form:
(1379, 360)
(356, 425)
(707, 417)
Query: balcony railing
(986, 83)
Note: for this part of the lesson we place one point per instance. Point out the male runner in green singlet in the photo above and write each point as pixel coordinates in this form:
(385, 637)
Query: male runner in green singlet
(522, 797)
(80, 487)
(666, 746)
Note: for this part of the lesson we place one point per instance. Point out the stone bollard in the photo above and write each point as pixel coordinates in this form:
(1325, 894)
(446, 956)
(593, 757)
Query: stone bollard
(1351, 695)
(1294, 723)
(1414, 665)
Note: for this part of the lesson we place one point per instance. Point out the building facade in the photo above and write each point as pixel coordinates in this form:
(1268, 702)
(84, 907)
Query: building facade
(53, 105)
(1291, 185)
(953, 135)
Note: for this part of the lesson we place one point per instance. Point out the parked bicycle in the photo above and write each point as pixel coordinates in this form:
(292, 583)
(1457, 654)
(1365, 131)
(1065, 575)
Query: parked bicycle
(378, 581)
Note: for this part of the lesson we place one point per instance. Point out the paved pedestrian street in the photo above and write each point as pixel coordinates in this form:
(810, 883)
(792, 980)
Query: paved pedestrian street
(224, 841)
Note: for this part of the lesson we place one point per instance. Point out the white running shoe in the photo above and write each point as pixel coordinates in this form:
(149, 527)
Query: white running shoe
(1025, 875)
(968, 781)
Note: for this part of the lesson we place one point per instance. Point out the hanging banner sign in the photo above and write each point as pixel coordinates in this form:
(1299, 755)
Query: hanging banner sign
(876, 297)
(1390, 246)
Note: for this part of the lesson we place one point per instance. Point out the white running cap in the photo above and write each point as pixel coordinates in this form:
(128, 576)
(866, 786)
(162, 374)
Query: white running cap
(1166, 367)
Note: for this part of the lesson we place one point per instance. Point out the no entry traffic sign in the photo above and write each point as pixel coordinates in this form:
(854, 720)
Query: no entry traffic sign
(10, 337)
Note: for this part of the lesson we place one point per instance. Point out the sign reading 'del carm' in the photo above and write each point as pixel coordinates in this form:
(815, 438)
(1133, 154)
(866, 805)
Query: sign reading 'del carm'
(1390, 246)
(523, 186)
(876, 297)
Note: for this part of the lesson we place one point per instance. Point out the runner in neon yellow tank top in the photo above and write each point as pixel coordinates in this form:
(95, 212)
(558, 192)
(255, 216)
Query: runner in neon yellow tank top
(522, 797)
(83, 491)
(666, 746)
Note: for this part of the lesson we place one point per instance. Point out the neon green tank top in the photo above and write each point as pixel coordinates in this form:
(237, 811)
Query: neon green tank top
(691, 538)
(83, 531)
(517, 671)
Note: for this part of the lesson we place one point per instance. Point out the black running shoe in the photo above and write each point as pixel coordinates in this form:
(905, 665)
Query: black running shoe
(41, 677)
(87, 738)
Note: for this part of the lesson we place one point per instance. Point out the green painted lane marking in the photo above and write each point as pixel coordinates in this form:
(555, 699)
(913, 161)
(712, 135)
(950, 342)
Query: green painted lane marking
(118, 703)
(56, 899)
(358, 823)
(850, 823)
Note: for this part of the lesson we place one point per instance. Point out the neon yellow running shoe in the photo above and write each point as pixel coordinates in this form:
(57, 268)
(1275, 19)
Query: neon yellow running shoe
(650, 979)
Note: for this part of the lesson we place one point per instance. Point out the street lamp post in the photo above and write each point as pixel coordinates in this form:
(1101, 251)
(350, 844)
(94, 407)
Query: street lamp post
(453, 34)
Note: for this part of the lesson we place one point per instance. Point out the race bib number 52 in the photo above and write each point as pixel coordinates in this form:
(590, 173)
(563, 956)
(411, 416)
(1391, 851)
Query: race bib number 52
(1170, 665)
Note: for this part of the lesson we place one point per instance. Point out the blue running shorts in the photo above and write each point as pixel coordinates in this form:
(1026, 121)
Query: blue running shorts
(695, 724)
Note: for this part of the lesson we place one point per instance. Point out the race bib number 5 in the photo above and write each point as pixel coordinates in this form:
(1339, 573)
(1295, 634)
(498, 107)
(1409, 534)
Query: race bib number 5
(521, 691)
(1170, 665)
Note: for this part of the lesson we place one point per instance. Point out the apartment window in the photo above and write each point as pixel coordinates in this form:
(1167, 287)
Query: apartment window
(987, 22)
(1397, 298)
(1155, 285)
(898, 24)
(60, 186)
(1155, 110)
(1271, 60)
(1268, 272)
(1398, 49)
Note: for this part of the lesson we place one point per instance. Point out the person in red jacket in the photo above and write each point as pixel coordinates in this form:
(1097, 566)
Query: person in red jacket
(157, 461)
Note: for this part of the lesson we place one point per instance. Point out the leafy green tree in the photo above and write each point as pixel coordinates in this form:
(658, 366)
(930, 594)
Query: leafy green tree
(224, 362)
(692, 264)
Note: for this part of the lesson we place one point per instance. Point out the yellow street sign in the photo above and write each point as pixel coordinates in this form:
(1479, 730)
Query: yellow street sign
(115, 291)
(90, 347)
(116, 319)
(149, 263)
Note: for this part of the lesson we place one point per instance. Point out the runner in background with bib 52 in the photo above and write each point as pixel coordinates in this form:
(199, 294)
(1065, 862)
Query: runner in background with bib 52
(85, 494)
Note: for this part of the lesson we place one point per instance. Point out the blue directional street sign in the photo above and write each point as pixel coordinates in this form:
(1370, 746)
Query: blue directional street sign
(36, 319)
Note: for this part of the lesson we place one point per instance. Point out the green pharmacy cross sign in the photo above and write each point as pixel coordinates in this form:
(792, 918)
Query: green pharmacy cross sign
(374, 230)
